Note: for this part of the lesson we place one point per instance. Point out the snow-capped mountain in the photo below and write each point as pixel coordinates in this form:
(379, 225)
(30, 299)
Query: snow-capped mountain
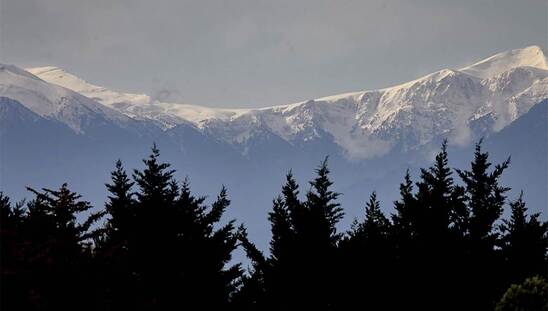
(55, 102)
(461, 104)
(138, 106)
(56, 127)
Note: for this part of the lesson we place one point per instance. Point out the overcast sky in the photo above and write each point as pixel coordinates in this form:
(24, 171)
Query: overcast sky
(253, 53)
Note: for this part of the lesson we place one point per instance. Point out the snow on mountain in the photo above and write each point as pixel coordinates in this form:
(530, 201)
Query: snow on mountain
(532, 56)
(139, 106)
(487, 95)
(107, 97)
(54, 102)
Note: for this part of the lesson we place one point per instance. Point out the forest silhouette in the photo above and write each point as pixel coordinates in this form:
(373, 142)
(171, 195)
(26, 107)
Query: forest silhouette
(157, 246)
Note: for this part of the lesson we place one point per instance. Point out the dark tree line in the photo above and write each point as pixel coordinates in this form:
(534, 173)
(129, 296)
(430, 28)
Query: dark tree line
(156, 246)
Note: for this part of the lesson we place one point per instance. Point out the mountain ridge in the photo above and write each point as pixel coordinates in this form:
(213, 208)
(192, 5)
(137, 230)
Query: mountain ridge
(371, 137)
(366, 123)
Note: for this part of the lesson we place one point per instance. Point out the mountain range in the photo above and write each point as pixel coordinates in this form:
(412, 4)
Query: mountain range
(56, 127)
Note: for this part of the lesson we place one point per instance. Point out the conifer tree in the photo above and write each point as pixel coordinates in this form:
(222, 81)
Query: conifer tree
(367, 256)
(485, 198)
(282, 231)
(524, 243)
(120, 205)
(14, 281)
(253, 292)
(287, 216)
(113, 245)
(317, 244)
(287, 219)
(301, 268)
(155, 181)
(323, 211)
(179, 253)
(290, 195)
(434, 195)
(404, 227)
(376, 226)
(434, 244)
(206, 250)
(60, 249)
(152, 242)
(269, 277)
(404, 235)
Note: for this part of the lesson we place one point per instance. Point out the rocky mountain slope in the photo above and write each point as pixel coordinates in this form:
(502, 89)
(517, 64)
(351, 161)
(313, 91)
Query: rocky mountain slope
(462, 104)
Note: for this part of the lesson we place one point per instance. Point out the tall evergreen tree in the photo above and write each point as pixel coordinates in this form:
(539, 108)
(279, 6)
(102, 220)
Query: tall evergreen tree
(367, 257)
(59, 250)
(254, 293)
(206, 250)
(404, 235)
(178, 252)
(317, 238)
(303, 261)
(376, 226)
(294, 206)
(113, 245)
(155, 181)
(282, 230)
(15, 281)
(270, 275)
(120, 205)
(430, 242)
(524, 243)
(485, 198)
(151, 245)
(323, 211)
(434, 195)
(404, 228)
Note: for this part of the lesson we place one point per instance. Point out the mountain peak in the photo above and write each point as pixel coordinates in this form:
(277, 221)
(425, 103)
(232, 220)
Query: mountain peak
(14, 70)
(55, 75)
(531, 56)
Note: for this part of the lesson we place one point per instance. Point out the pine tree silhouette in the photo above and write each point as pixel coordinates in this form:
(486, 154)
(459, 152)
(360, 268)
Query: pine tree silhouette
(434, 194)
(120, 206)
(404, 228)
(206, 250)
(177, 252)
(368, 256)
(15, 281)
(485, 198)
(404, 235)
(287, 217)
(436, 243)
(162, 248)
(268, 288)
(254, 293)
(152, 245)
(323, 212)
(302, 266)
(58, 252)
(524, 243)
(112, 259)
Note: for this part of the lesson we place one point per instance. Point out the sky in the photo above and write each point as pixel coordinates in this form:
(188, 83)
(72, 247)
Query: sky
(258, 53)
